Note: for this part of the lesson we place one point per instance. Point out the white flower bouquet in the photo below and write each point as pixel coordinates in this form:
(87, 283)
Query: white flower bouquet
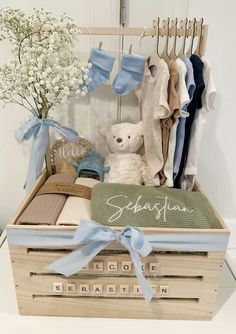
(45, 71)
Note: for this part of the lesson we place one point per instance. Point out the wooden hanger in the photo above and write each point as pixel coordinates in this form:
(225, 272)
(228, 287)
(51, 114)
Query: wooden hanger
(174, 26)
(166, 27)
(100, 45)
(158, 36)
(153, 59)
(192, 25)
(130, 48)
(184, 26)
(198, 48)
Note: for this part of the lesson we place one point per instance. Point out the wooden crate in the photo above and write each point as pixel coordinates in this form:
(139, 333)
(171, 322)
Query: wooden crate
(184, 283)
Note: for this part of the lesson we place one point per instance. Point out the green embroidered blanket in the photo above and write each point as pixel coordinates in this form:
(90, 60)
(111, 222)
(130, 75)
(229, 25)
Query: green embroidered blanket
(144, 206)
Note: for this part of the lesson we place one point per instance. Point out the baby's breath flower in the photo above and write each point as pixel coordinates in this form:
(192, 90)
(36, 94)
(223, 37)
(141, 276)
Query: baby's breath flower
(45, 70)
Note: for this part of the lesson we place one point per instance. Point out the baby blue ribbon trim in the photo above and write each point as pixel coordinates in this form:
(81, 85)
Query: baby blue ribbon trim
(94, 238)
(38, 129)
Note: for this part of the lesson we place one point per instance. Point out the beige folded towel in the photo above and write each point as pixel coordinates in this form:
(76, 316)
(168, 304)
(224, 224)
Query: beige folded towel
(77, 208)
(45, 208)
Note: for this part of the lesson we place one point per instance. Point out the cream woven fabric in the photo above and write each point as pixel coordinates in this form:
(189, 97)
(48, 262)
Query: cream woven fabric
(77, 208)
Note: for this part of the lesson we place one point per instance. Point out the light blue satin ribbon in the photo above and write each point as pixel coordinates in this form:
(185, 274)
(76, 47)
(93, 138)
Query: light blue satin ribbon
(94, 238)
(38, 129)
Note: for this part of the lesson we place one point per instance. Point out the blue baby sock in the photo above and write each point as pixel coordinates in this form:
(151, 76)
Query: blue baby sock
(131, 73)
(102, 63)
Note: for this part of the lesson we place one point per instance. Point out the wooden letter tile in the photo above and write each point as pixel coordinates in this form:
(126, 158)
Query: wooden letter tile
(110, 289)
(71, 288)
(154, 267)
(58, 287)
(97, 289)
(126, 266)
(136, 290)
(112, 266)
(164, 290)
(98, 266)
(84, 288)
(123, 289)
(154, 289)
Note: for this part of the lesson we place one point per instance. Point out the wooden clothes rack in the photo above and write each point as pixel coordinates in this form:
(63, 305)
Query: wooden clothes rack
(168, 28)
(187, 28)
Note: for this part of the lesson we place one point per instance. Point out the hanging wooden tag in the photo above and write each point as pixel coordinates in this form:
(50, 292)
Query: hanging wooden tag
(63, 153)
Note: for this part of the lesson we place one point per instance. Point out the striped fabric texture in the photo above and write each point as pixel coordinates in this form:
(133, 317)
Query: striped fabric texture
(77, 208)
(44, 209)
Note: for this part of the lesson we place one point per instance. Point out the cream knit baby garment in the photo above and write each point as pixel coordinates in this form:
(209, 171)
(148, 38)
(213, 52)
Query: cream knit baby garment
(152, 97)
(76, 208)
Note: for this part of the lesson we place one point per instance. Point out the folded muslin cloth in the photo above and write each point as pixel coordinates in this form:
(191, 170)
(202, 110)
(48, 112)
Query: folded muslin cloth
(45, 208)
(77, 208)
(122, 205)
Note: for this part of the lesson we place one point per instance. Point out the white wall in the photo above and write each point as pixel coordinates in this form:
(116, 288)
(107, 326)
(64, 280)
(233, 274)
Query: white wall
(218, 153)
(217, 166)
(85, 116)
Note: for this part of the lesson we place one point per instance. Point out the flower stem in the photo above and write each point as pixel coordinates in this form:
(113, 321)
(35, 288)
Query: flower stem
(44, 113)
(46, 165)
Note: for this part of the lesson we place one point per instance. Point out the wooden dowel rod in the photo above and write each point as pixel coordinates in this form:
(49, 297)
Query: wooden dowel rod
(134, 31)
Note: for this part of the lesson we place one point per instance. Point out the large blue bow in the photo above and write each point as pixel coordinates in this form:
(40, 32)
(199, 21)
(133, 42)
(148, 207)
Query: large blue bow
(95, 238)
(39, 130)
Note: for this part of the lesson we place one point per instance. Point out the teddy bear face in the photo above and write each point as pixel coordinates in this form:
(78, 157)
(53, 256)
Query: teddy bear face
(125, 138)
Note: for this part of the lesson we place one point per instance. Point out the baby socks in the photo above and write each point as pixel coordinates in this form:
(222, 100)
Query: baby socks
(102, 63)
(130, 75)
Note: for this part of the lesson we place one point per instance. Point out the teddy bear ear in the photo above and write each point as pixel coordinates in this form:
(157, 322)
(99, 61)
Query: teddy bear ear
(139, 127)
(103, 130)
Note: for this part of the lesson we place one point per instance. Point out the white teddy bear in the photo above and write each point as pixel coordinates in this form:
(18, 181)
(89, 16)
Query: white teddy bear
(124, 140)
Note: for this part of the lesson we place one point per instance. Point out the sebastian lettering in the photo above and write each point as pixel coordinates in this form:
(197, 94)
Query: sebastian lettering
(160, 207)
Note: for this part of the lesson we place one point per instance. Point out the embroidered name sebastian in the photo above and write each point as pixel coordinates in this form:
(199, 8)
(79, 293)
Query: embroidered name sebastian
(160, 207)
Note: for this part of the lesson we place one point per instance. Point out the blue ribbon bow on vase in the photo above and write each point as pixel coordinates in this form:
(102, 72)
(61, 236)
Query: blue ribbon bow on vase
(38, 129)
(94, 237)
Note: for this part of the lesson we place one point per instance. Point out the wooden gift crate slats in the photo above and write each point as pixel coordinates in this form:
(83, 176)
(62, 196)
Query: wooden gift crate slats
(181, 308)
(185, 284)
(206, 264)
(191, 289)
(176, 287)
(190, 282)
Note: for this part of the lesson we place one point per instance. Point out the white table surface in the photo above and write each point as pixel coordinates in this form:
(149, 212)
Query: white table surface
(11, 322)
